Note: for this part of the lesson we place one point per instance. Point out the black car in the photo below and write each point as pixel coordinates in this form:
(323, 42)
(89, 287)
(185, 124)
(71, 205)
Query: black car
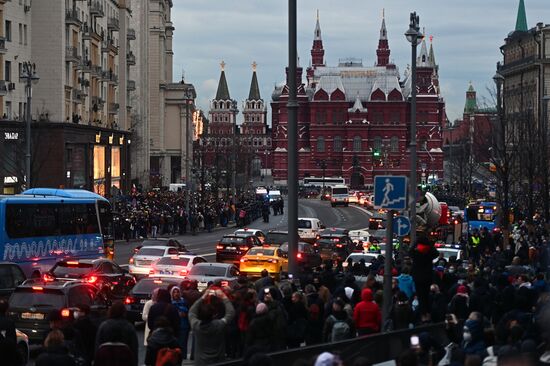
(276, 237)
(334, 243)
(32, 301)
(113, 281)
(231, 248)
(11, 276)
(162, 242)
(377, 221)
(306, 257)
(142, 291)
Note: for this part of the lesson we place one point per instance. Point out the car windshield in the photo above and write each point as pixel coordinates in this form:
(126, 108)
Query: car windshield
(276, 238)
(208, 271)
(28, 298)
(71, 270)
(147, 285)
(448, 253)
(261, 251)
(151, 251)
(232, 240)
(169, 261)
(304, 224)
(358, 257)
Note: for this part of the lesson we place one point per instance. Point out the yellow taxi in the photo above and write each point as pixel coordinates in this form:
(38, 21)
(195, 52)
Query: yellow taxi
(270, 258)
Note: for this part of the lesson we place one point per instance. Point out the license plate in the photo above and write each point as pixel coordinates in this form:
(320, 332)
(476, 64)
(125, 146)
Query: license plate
(34, 316)
(231, 248)
(166, 272)
(202, 285)
(142, 301)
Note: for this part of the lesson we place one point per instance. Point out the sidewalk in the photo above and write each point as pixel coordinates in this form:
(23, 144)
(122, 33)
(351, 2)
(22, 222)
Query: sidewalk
(230, 225)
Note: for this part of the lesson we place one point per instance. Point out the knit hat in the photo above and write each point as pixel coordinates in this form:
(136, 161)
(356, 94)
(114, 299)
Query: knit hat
(461, 290)
(261, 308)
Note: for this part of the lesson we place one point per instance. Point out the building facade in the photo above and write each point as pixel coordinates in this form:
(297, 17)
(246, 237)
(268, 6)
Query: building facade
(81, 52)
(353, 119)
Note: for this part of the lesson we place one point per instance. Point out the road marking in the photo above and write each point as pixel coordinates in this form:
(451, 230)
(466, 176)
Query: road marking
(363, 209)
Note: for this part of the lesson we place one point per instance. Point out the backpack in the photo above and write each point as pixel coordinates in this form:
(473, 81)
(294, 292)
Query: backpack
(340, 330)
(168, 357)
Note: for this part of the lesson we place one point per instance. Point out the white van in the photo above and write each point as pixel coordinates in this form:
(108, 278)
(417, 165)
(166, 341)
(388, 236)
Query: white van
(309, 228)
(339, 195)
(274, 195)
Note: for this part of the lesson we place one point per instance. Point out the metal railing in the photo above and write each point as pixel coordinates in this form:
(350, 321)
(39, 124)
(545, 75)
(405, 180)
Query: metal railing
(113, 107)
(130, 34)
(71, 16)
(131, 85)
(72, 53)
(96, 9)
(130, 58)
(113, 23)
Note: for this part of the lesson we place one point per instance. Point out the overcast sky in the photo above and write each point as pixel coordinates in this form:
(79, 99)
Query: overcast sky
(467, 35)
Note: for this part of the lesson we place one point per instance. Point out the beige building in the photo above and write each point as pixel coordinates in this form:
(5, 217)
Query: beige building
(163, 120)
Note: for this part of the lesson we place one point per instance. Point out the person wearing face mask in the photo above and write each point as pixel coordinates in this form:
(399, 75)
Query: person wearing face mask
(472, 336)
(87, 330)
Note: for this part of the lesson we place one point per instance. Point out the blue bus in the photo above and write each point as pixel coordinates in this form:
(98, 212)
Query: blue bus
(481, 214)
(43, 225)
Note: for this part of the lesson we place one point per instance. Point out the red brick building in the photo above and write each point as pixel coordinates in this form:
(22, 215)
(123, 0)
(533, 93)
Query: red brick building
(350, 111)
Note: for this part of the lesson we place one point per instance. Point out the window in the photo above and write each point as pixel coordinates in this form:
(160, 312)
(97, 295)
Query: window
(395, 118)
(357, 143)
(25, 34)
(7, 70)
(337, 143)
(321, 117)
(338, 118)
(378, 118)
(320, 144)
(7, 32)
(394, 143)
(20, 33)
(377, 142)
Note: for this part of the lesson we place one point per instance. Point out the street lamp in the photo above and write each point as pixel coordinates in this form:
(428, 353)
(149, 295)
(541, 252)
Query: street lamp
(188, 94)
(234, 110)
(28, 75)
(413, 35)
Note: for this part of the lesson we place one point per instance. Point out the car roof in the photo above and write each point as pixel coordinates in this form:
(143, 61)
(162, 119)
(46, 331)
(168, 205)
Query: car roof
(247, 231)
(277, 232)
(215, 264)
(155, 247)
(190, 256)
(54, 284)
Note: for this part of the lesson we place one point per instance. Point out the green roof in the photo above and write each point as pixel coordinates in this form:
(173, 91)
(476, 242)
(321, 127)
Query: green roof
(471, 102)
(521, 21)
(254, 93)
(223, 90)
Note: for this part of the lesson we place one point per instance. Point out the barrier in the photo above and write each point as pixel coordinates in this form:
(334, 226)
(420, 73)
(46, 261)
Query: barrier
(374, 348)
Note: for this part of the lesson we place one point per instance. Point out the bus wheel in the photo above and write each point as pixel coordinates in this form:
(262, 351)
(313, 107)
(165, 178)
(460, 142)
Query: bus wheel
(35, 274)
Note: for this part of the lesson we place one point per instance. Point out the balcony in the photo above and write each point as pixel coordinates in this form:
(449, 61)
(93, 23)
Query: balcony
(77, 96)
(86, 65)
(113, 24)
(130, 85)
(130, 58)
(71, 18)
(97, 103)
(3, 88)
(113, 108)
(130, 34)
(3, 48)
(96, 9)
(109, 76)
(109, 45)
(71, 54)
(97, 70)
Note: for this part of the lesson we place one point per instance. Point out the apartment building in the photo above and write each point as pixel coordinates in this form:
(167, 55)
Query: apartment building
(82, 51)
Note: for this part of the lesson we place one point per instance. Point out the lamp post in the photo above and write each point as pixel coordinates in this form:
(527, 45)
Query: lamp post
(413, 35)
(234, 110)
(28, 75)
(188, 95)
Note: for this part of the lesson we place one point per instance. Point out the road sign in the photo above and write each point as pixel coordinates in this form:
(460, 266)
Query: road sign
(390, 192)
(401, 225)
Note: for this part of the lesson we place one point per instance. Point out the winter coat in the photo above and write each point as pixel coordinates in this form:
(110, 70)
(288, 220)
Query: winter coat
(422, 256)
(260, 333)
(58, 356)
(367, 313)
(331, 320)
(118, 330)
(476, 346)
(459, 306)
(406, 284)
(160, 338)
(167, 310)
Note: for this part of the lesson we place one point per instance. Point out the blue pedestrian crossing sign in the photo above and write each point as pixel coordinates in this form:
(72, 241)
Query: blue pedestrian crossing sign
(390, 192)
(401, 225)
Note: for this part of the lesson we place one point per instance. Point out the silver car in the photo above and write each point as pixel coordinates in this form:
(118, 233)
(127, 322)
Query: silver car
(204, 273)
(142, 262)
(175, 265)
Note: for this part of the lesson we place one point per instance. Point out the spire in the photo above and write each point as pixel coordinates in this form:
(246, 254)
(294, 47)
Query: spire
(471, 100)
(383, 51)
(317, 33)
(223, 90)
(422, 59)
(521, 21)
(431, 56)
(254, 93)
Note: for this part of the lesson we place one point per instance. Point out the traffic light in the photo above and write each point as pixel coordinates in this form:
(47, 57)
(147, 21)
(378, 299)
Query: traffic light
(376, 153)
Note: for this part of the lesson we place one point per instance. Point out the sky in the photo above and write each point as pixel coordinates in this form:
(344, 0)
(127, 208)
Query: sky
(466, 34)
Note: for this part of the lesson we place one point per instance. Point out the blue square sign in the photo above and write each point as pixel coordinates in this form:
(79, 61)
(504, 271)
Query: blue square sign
(390, 192)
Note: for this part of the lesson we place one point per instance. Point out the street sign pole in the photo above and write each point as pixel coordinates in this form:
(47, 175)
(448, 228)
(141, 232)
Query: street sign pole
(388, 272)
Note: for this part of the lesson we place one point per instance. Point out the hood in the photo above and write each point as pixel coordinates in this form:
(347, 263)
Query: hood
(476, 329)
(366, 294)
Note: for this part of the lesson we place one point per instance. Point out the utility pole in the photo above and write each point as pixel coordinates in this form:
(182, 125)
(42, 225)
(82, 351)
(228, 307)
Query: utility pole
(234, 151)
(28, 75)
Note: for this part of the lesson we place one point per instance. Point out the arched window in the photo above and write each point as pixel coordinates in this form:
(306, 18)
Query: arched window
(357, 143)
(337, 143)
(228, 105)
(377, 142)
(215, 104)
(320, 144)
(394, 143)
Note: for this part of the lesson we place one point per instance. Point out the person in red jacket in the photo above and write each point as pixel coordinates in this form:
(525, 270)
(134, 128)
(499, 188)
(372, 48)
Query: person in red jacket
(366, 315)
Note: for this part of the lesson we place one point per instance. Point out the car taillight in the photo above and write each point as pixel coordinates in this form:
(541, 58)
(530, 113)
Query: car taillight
(65, 313)
(243, 248)
(129, 300)
(243, 260)
(339, 246)
(299, 255)
(184, 272)
(158, 282)
(131, 261)
(92, 279)
(219, 247)
(72, 263)
(151, 272)
(37, 288)
(315, 244)
(48, 277)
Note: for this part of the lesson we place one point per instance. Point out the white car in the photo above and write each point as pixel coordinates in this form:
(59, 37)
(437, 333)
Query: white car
(448, 251)
(366, 256)
(309, 228)
(141, 263)
(359, 236)
(175, 265)
(260, 234)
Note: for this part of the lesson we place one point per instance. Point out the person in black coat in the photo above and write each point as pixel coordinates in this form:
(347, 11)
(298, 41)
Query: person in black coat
(87, 330)
(7, 326)
(422, 254)
(164, 307)
(260, 330)
(161, 337)
(55, 353)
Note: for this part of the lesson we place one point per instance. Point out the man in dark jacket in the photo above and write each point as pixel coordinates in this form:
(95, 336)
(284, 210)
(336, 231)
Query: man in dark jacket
(260, 334)
(473, 343)
(117, 329)
(164, 307)
(161, 337)
(7, 326)
(87, 330)
(422, 254)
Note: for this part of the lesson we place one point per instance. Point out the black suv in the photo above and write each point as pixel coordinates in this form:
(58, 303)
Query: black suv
(11, 276)
(231, 248)
(114, 282)
(334, 243)
(32, 301)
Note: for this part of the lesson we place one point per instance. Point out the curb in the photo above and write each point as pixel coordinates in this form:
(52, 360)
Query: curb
(362, 209)
(217, 228)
